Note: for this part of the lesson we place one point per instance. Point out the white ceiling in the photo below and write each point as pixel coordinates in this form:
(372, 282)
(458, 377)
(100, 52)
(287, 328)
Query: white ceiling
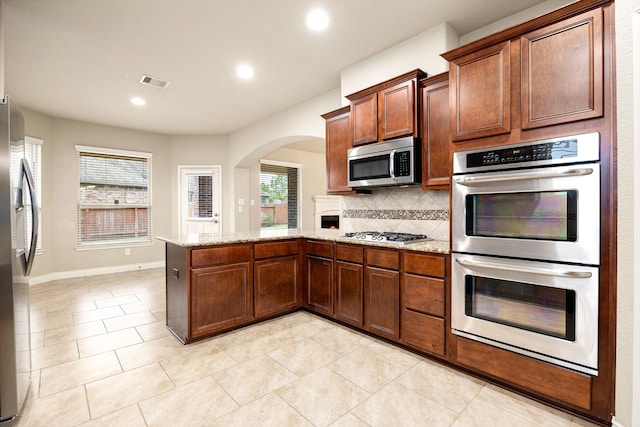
(82, 59)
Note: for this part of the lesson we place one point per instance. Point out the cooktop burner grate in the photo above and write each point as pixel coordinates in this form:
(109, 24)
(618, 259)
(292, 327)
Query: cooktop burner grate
(388, 237)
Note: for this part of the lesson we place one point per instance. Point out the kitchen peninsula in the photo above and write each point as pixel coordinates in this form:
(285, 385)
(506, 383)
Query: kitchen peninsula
(219, 282)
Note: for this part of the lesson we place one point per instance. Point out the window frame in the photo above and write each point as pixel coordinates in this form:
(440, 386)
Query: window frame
(297, 166)
(112, 244)
(37, 176)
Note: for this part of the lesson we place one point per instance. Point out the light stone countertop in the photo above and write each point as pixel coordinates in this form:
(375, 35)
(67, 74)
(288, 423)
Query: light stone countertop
(196, 240)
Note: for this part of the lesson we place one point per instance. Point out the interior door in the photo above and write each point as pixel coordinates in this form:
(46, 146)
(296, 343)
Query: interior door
(200, 199)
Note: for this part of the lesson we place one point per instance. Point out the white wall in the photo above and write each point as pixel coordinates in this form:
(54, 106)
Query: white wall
(421, 51)
(515, 19)
(628, 129)
(197, 150)
(59, 191)
(248, 146)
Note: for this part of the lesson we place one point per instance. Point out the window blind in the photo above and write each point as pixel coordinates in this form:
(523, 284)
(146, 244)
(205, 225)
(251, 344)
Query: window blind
(114, 199)
(200, 194)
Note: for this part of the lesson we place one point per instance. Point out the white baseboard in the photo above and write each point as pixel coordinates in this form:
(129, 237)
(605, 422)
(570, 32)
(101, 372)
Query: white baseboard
(70, 274)
(615, 423)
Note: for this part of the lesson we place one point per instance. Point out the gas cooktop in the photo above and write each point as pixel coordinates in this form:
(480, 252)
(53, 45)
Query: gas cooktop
(388, 237)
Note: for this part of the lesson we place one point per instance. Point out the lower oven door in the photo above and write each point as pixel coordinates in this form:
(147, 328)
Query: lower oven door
(543, 310)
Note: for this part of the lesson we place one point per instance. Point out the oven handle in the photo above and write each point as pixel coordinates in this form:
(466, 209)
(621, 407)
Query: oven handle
(543, 271)
(472, 180)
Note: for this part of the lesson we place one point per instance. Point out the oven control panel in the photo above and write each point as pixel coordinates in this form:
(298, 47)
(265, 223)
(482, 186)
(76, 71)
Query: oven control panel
(545, 151)
(570, 149)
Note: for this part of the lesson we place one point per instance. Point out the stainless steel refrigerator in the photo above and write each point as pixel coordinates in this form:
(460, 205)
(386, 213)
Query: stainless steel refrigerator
(18, 237)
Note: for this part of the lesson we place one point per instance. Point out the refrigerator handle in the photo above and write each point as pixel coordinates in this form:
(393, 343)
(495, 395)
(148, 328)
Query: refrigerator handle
(25, 174)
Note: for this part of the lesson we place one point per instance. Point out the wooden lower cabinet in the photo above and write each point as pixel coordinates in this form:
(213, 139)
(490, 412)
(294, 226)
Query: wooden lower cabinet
(382, 302)
(349, 302)
(400, 295)
(275, 285)
(423, 331)
(221, 297)
(423, 321)
(320, 284)
(208, 289)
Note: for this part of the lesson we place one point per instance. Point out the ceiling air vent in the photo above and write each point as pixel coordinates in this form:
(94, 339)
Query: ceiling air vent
(154, 81)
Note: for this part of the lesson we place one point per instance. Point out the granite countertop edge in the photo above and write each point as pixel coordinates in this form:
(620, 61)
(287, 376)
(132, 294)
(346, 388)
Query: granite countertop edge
(201, 240)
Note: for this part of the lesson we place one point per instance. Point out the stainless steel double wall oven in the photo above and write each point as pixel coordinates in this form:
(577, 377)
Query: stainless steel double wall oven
(526, 248)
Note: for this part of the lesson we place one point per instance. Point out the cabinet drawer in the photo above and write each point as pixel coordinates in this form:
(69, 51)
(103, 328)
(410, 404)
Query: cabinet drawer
(276, 249)
(383, 258)
(423, 332)
(323, 249)
(350, 253)
(424, 294)
(428, 265)
(220, 255)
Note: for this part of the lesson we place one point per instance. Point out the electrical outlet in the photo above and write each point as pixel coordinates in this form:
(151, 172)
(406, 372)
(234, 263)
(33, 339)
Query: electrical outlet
(127, 251)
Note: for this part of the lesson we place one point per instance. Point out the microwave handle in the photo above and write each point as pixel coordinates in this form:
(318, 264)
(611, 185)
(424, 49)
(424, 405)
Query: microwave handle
(472, 180)
(392, 163)
(542, 271)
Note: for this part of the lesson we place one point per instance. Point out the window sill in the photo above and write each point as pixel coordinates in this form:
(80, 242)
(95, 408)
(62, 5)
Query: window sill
(122, 245)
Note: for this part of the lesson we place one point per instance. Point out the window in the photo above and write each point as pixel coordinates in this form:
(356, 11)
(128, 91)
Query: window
(114, 199)
(33, 154)
(200, 195)
(279, 195)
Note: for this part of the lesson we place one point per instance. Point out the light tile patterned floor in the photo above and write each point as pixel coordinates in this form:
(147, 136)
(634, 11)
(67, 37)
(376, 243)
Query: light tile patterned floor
(103, 357)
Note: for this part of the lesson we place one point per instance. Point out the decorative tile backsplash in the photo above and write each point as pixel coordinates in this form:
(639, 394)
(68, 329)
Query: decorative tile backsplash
(404, 210)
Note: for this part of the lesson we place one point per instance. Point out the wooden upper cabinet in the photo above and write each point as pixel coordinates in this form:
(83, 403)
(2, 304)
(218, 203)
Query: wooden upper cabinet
(435, 132)
(541, 79)
(387, 110)
(480, 82)
(396, 111)
(365, 119)
(338, 142)
(562, 71)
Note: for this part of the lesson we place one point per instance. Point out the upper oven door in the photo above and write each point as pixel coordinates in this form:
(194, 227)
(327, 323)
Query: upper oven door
(550, 213)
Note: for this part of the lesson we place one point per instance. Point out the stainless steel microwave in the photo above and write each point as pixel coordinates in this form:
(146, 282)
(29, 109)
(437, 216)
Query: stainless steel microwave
(383, 164)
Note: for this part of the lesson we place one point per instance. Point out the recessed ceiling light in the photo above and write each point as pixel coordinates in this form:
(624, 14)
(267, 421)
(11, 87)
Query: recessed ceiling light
(317, 20)
(136, 100)
(244, 71)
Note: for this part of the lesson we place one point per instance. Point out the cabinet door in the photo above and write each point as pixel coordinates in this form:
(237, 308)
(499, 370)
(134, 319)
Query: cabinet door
(276, 285)
(320, 284)
(562, 72)
(397, 111)
(221, 297)
(382, 302)
(436, 165)
(423, 331)
(338, 134)
(364, 115)
(480, 84)
(349, 303)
